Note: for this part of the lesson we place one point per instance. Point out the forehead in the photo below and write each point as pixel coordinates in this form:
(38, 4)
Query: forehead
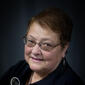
(40, 33)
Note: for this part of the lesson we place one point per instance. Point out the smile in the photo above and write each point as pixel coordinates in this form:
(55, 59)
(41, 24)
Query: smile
(36, 59)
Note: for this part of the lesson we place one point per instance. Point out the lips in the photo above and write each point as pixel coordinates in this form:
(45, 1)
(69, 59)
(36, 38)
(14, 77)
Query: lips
(36, 58)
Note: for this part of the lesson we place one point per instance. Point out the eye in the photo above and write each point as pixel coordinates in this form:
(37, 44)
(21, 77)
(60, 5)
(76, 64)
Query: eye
(30, 41)
(47, 44)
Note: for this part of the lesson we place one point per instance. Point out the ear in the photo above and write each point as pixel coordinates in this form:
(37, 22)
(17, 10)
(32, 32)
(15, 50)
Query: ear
(65, 49)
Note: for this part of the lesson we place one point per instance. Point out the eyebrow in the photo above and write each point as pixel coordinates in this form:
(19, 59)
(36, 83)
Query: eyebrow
(43, 39)
(32, 37)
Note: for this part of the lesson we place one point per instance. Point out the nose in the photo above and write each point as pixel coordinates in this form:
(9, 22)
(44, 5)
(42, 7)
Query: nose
(36, 50)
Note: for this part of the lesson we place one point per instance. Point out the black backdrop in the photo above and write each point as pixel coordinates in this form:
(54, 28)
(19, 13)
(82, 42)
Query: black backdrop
(14, 15)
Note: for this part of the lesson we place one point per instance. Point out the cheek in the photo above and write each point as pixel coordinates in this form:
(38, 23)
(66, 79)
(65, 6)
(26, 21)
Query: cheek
(51, 60)
(53, 55)
(27, 50)
(49, 55)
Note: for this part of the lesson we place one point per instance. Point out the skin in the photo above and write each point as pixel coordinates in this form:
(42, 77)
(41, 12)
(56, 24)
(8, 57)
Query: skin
(49, 60)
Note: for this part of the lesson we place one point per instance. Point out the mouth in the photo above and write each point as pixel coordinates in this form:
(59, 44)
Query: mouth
(36, 59)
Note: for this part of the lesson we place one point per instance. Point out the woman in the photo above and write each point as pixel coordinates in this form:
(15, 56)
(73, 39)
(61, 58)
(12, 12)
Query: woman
(46, 43)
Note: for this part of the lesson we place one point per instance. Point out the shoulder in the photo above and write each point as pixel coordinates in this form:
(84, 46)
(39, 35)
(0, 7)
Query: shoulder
(17, 67)
(14, 71)
(69, 77)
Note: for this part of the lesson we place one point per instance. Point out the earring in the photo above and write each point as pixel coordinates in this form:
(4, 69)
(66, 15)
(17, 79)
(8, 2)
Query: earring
(64, 62)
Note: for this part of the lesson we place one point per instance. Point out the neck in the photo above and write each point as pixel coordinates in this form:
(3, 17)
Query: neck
(37, 77)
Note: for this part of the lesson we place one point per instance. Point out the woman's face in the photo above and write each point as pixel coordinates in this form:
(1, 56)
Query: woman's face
(38, 59)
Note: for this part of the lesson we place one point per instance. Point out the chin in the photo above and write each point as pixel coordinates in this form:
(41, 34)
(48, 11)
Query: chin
(35, 67)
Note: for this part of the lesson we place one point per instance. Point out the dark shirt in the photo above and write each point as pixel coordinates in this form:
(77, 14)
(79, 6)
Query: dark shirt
(63, 75)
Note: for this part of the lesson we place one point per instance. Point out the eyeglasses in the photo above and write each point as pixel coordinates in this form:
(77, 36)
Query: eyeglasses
(43, 45)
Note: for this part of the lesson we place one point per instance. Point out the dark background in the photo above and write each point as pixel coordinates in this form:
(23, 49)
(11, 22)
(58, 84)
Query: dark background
(14, 16)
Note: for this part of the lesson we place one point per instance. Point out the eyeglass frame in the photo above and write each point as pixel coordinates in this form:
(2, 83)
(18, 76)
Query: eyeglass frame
(39, 44)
